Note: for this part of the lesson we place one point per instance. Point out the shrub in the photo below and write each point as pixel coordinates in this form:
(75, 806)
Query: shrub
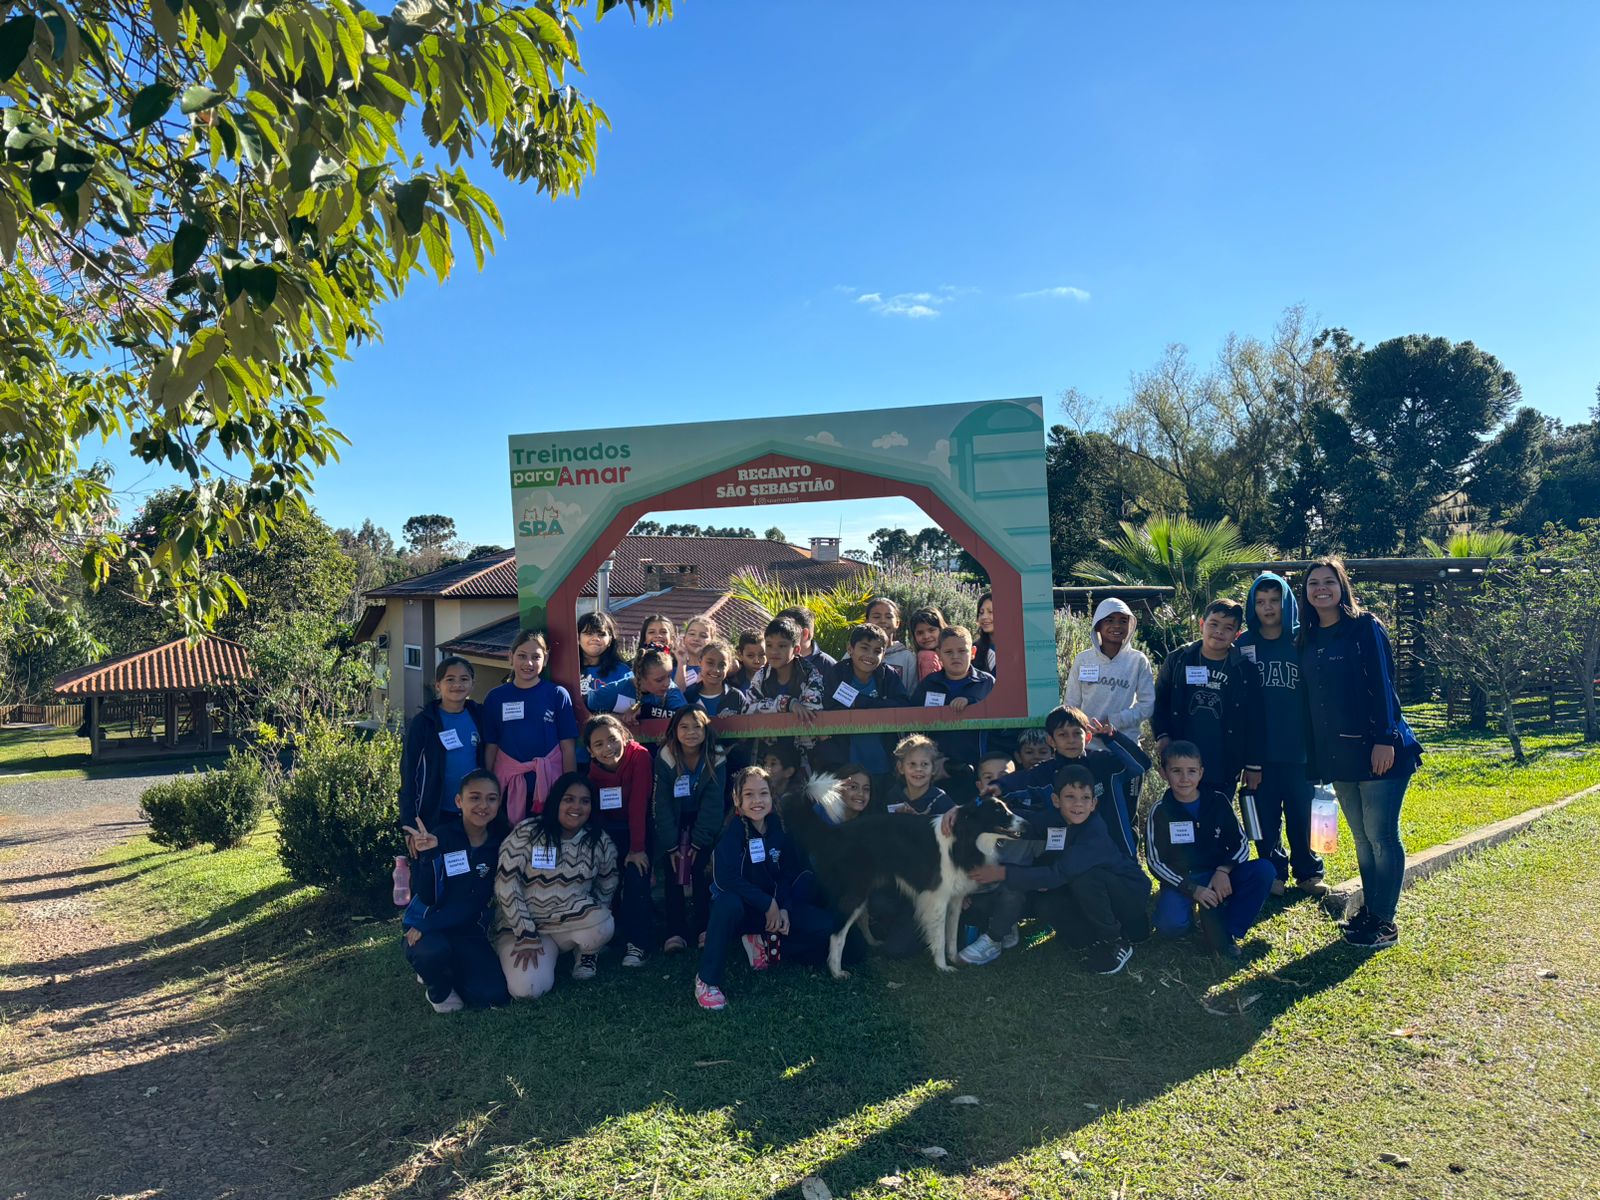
(913, 589)
(1074, 633)
(169, 807)
(227, 804)
(338, 811)
(219, 807)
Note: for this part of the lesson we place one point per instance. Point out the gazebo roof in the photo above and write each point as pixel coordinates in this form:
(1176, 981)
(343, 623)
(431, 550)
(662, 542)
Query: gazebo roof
(176, 666)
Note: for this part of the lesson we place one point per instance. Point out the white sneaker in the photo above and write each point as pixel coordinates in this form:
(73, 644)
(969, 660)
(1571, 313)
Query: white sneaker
(1012, 937)
(451, 1003)
(584, 967)
(633, 956)
(982, 951)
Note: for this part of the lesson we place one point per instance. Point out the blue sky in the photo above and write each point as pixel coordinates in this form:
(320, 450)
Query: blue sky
(1039, 196)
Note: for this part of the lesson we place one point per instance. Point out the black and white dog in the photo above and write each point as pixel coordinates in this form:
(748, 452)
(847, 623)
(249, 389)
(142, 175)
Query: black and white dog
(887, 850)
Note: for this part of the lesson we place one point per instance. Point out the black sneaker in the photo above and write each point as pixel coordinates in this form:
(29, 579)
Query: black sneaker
(1374, 935)
(1107, 958)
(1361, 920)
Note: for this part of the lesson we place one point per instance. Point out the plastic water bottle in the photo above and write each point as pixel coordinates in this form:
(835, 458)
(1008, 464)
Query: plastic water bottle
(1324, 823)
(1252, 818)
(402, 881)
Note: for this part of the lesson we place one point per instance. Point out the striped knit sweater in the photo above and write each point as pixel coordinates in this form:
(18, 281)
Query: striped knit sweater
(528, 897)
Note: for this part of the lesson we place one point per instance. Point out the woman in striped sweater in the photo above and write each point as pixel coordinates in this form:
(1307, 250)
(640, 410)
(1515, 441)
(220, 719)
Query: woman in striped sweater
(553, 889)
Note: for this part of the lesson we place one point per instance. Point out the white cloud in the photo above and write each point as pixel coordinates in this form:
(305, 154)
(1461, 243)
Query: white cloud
(1056, 293)
(824, 438)
(914, 306)
(939, 456)
(890, 440)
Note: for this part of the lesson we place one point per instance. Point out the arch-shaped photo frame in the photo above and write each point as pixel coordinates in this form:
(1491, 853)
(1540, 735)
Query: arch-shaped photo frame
(976, 469)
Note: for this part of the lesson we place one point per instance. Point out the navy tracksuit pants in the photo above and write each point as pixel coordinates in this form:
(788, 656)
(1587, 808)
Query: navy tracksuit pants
(460, 961)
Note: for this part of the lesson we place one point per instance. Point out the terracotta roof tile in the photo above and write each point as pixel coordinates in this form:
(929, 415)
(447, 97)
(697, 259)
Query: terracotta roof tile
(718, 559)
(177, 666)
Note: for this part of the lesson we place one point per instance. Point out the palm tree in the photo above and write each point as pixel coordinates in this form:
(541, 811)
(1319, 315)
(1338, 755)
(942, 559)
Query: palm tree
(1178, 552)
(1475, 543)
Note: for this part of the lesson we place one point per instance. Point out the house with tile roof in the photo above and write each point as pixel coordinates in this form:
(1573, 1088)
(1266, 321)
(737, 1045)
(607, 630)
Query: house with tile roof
(470, 608)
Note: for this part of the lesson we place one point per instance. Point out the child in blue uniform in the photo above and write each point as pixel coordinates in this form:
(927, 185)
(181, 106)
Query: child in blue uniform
(711, 689)
(600, 659)
(916, 762)
(859, 682)
(446, 925)
(1199, 856)
(442, 744)
(1082, 882)
(649, 696)
(530, 733)
(958, 687)
(752, 874)
(688, 817)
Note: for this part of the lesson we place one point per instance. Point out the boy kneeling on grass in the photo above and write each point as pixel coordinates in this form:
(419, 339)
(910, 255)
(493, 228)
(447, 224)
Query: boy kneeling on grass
(1083, 883)
(1199, 855)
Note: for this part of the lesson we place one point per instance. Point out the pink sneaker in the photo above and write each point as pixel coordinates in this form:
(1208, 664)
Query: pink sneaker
(755, 949)
(707, 996)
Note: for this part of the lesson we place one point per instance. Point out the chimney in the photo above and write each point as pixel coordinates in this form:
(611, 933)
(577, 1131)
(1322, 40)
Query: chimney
(825, 549)
(661, 575)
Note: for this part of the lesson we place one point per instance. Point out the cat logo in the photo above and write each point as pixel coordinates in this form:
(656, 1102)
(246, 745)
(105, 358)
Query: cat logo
(537, 522)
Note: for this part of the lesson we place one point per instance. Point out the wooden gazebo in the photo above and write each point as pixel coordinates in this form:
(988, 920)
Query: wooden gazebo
(176, 680)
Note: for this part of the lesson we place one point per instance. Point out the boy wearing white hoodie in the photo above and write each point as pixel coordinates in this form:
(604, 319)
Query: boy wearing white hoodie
(1111, 681)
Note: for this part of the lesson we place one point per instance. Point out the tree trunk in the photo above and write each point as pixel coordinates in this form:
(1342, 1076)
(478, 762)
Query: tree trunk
(1507, 701)
(1478, 717)
(1584, 664)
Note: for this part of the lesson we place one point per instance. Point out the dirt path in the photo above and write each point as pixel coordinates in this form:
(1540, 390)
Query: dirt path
(88, 1026)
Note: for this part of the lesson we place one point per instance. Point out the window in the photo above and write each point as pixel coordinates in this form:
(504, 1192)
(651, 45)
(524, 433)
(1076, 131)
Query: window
(413, 658)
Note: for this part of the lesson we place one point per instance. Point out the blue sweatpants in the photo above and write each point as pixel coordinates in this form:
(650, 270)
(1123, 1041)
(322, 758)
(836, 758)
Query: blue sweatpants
(1252, 884)
(460, 961)
(807, 939)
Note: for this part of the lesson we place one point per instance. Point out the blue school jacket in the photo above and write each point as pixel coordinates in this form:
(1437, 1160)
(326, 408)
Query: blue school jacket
(1347, 672)
(422, 763)
(1117, 763)
(1084, 848)
(730, 703)
(452, 885)
(735, 870)
(1178, 845)
(964, 745)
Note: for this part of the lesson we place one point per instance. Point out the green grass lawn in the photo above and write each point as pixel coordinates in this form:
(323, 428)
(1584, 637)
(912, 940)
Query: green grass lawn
(62, 754)
(1178, 1078)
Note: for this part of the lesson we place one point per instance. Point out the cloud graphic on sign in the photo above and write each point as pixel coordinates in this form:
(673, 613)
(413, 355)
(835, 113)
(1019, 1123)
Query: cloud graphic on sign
(890, 440)
(543, 505)
(824, 438)
(940, 455)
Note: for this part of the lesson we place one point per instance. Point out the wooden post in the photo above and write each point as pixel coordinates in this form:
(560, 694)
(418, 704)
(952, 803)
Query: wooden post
(171, 716)
(202, 709)
(94, 728)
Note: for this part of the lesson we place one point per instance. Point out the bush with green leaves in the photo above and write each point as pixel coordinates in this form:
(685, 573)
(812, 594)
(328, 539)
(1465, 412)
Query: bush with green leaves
(169, 806)
(912, 589)
(338, 811)
(219, 807)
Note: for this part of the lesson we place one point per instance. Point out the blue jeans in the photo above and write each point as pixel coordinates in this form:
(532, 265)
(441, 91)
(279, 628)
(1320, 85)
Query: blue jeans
(1284, 797)
(1372, 810)
(1252, 884)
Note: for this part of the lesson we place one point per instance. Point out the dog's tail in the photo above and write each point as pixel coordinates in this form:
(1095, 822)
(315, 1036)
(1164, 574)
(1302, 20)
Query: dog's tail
(813, 813)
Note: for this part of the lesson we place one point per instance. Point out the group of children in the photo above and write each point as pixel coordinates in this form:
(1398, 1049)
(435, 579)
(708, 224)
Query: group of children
(528, 839)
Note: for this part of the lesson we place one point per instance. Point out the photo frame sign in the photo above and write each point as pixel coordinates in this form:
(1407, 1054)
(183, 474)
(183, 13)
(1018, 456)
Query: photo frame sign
(976, 469)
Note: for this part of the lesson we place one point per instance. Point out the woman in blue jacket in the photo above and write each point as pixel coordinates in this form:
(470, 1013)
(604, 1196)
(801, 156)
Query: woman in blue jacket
(1357, 738)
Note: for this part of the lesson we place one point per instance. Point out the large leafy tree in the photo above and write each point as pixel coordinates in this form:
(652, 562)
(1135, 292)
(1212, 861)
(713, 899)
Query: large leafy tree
(1191, 557)
(1416, 410)
(203, 206)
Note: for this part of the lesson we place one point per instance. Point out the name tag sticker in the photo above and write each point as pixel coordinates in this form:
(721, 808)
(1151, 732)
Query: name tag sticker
(933, 700)
(1181, 832)
(450, 739)
(1089, 674)
(610, 798)
(845, 694)
(1249, 652)
(623, 704)
(758, 850)
(681, 786)
(1196, 676)
(511, 710)
(544, 857)
(1055, 839)
(455, 863)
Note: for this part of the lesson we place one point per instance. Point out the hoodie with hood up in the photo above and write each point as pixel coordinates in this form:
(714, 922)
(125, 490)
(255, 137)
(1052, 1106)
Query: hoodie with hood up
(1278, 659)
(1121, 690)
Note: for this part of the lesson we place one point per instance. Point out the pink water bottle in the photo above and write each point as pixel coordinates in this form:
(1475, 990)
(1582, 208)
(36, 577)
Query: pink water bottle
(402, 881)
(683, 859)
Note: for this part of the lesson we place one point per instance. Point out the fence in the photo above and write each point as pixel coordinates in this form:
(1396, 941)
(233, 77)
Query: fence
(62, 716)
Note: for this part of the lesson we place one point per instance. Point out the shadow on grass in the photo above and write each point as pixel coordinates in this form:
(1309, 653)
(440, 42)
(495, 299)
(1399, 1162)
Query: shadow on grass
(314, 1066)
